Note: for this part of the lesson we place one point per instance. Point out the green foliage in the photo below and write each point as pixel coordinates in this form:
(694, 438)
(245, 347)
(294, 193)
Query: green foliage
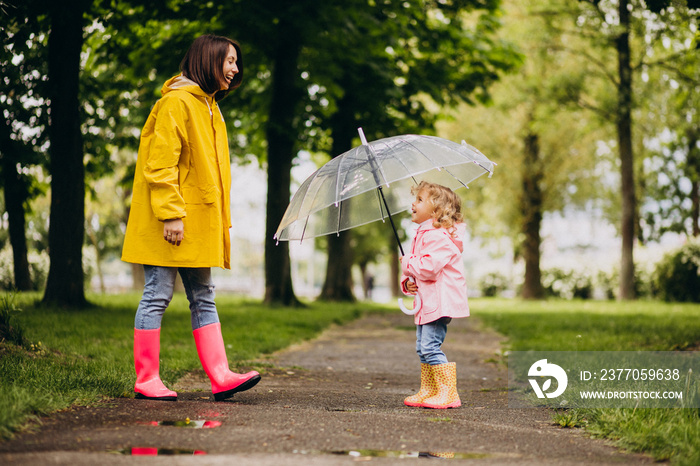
(559, 283)
(570, 418)
(492, 284)
(84, 355)
(557, 325)
(667, 434)
(38, 269)
(677, 275)
(10, 330)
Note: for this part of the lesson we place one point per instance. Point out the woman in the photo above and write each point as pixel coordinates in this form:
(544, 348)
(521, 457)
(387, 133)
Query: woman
(180, 213)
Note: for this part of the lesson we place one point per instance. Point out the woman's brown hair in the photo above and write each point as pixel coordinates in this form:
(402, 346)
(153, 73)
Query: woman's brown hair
(204, 64)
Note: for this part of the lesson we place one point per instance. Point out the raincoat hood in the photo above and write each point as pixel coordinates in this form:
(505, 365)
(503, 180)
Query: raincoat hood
(181, 82)
(456, 234)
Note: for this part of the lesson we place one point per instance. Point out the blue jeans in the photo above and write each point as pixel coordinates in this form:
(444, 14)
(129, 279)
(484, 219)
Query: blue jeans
(429, 340)
(158, 292)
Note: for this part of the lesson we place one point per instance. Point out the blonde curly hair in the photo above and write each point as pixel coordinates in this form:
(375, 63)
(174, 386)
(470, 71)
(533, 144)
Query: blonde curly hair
(447, 206)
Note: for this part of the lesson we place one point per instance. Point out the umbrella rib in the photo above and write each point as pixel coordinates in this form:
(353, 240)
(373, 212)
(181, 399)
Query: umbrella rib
(340, 213)
(308, 183)
(424, 154)
(443, 167)
(456, 178)
(303, 232)
(337, 183)
(379, 201)
(374, 163)
(398, 159)
(391, 220)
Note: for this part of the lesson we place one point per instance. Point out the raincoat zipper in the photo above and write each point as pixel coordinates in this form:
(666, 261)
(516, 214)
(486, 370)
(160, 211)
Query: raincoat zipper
(211, 113)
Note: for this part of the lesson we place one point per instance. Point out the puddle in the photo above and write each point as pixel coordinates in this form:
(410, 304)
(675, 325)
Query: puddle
(196, 424)
(148, 451)
(401, 454)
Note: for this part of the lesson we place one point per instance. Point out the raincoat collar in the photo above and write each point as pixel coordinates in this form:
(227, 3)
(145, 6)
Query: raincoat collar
(456, 233)
(181, 82)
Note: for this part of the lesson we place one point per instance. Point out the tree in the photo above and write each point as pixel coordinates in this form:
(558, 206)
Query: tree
(669, 117)
(543, 146)
(621, 26)
(286, 97)
(22, 128)
(623, 122)
(64, 284)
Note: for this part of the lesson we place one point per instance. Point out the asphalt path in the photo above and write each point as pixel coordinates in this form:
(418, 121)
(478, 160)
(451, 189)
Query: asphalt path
(335, 400)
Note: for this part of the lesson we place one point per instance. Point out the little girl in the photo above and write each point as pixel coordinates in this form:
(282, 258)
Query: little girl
(434, 271)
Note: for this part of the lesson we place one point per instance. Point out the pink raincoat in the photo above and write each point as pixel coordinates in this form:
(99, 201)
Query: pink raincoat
(435, 262)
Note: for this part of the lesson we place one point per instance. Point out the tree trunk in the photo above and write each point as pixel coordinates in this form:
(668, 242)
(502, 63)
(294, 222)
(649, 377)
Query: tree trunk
(92, 237)
(15, 190)
(338, 284)
(531, 205)
(694, 172)
(138, 278)
(695, 208)
(281, 142)
(624, 135)
(65, 285)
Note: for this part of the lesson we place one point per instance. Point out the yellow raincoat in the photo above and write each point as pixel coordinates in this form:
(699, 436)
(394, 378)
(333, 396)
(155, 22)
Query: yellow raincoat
(182, 171)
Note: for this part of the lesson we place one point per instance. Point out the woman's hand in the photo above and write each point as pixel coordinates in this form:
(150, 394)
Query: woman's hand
(174, 231)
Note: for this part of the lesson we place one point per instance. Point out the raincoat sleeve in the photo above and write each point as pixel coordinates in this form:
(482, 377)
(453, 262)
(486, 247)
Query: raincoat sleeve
(435, 253)
(161, 168)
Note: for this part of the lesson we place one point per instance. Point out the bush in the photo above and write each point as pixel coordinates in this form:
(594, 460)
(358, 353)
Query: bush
(493, 284)
(676, 277)
(571, 284)
(38, 269)
(10, 330)
(609, 282)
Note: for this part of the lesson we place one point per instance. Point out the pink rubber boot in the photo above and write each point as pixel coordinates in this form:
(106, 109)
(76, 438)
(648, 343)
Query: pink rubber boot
(146, 361)
(212, 355)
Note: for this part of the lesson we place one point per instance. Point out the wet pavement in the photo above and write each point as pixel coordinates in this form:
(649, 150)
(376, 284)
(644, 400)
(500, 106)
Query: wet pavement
(334, 400)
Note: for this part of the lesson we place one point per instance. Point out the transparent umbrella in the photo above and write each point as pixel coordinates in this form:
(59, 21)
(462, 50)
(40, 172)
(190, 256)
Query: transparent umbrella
(373, 181)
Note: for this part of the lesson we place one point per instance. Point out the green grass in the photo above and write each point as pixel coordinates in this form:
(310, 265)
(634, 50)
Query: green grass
(78, 357)
(666, 434)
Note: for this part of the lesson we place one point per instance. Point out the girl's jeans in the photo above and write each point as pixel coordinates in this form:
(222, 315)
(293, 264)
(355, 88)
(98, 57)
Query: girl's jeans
(429, 340)
(158, 291)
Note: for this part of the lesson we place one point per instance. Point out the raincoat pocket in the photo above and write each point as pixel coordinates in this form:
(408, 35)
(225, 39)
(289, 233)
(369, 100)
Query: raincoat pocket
(209, 194)
(430, 298)
(200, 194)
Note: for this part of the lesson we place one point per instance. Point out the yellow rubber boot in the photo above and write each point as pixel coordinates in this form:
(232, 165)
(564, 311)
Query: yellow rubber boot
(428, 387)
(446, 381)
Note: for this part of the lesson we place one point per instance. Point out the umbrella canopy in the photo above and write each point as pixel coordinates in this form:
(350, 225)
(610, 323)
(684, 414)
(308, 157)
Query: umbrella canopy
(373, 181)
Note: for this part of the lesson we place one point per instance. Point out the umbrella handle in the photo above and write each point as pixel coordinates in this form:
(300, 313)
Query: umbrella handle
(416, 303)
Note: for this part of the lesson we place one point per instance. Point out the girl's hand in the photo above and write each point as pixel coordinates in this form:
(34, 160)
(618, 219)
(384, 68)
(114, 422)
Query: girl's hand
(174, 231)
(411, 287)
